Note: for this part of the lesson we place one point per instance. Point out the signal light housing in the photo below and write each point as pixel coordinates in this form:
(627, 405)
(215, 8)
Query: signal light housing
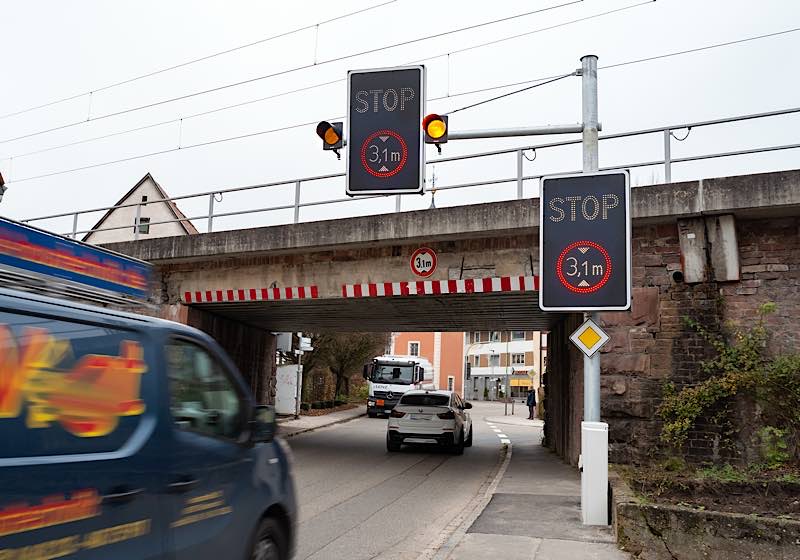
(331, 135)
(449, 415)
(396, 413)
(436, 128)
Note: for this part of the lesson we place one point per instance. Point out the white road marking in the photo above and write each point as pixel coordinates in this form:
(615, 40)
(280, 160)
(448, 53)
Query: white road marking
(505, 440)
(502, 436)
(496, 430)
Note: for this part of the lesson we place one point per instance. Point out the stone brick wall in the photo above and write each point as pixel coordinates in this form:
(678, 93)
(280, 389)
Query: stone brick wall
(652, 344)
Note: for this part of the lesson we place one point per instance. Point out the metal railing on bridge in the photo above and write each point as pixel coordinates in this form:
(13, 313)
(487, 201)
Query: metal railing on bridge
(518, 179)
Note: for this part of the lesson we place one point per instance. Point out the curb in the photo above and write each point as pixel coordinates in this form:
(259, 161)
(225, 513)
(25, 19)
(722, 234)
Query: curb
(455, 531)
(306, 430)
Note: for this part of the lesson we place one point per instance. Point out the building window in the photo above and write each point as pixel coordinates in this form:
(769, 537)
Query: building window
(451, 381)
(495, 336)
(518, 359)
(477, 361)
(494, 360)
(413, 348)
(144, 198)
(517, 335)
(144, 225)
(476, 336)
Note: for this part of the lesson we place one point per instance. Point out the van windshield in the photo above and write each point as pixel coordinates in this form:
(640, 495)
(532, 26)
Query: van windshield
(391, 373)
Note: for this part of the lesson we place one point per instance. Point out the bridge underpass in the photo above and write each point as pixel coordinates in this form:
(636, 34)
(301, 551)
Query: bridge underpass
(732, 239)
(518, 310)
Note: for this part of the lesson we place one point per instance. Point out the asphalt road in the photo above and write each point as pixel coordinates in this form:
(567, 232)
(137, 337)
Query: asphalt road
(357, 501)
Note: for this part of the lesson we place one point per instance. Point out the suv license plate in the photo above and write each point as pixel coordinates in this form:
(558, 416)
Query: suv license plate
(420, 416)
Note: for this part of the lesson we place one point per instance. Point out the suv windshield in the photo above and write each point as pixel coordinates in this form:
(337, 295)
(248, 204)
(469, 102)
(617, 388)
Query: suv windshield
(390, 373)
(425, 400)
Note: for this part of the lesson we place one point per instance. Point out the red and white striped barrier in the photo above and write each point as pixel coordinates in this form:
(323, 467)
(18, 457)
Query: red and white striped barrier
(252, 294)
(436, 287)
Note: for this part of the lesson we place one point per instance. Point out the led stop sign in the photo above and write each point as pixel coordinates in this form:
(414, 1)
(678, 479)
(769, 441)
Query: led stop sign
(585, 242)
(386, 153)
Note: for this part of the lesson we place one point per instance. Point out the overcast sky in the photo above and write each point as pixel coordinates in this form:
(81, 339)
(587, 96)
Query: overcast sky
(55, 49)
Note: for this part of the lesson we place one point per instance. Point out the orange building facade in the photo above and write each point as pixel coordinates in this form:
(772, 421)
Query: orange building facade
(444, 350)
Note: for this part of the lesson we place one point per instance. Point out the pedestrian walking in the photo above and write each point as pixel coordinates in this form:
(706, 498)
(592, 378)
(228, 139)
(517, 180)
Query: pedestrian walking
(531, 402)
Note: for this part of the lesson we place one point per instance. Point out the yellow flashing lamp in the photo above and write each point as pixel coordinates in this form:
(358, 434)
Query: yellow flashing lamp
(435, 127)
(331, 134)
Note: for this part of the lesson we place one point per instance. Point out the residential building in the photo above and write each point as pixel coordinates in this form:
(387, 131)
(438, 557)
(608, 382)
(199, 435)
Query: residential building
(151, 206)
(445, 350)
(494, 357)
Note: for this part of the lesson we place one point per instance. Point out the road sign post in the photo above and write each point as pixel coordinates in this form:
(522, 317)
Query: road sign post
(386, 153)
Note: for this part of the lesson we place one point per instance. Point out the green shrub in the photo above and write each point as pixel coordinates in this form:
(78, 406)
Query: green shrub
(774, 448)
(316, 405)
(305, 406)
(362, 393)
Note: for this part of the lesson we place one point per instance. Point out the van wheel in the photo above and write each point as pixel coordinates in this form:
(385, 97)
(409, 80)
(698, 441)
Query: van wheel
(468, 443)
(270, 542)
(458, 448)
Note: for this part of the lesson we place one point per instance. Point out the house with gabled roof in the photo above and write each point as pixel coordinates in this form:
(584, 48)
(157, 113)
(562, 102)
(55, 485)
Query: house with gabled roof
(153, 207)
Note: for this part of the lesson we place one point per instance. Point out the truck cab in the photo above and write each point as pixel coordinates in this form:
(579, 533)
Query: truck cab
(389, 377)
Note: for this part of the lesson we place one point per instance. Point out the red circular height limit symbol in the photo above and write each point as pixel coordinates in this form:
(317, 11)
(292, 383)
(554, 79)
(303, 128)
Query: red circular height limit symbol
(384, 153)
(584, 267)
(423, 262)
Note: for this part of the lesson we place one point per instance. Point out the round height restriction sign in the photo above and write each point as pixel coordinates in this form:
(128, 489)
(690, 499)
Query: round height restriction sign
(384, 153)
(583, 267)
(423, 262)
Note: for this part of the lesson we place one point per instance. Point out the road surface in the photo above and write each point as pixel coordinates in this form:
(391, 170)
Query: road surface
(357, 501)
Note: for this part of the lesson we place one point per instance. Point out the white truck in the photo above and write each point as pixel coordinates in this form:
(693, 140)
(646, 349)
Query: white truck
(389, 377)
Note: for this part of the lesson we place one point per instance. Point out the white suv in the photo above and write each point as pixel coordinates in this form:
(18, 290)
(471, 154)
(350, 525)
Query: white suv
(430, 417)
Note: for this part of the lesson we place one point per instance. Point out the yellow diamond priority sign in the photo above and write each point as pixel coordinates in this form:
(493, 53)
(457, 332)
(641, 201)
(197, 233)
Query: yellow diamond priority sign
(589, 338)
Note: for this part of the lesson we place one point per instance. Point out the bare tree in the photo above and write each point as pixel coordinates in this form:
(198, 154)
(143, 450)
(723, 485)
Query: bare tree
(346, 353)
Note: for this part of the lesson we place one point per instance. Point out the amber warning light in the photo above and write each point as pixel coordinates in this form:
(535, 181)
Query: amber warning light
(435, 127)
(331, 134)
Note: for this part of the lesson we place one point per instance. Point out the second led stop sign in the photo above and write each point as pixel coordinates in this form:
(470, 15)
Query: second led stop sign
(385, 149)
(585, 242)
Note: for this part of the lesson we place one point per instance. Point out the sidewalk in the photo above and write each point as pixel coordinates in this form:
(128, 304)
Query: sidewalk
(290, 427)
(534, 512)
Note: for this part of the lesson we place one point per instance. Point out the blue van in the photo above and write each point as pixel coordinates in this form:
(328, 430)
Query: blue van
(128, 437)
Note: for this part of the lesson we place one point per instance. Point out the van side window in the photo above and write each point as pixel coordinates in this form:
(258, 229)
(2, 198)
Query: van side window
(202, 397)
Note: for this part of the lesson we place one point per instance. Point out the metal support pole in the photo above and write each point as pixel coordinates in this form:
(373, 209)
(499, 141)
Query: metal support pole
(297, 202)
(136, 222)
(591, 163)
(505, 412)
(299, 391)
(519, 174)
(75, 226)
(667, 157)
(397, 203)
(594, 434)
(210, 212)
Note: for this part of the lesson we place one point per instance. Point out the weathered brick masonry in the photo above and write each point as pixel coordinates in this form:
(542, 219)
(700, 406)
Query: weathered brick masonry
(652, 344)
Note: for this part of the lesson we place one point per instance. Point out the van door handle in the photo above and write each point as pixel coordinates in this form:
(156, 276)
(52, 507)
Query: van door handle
(182, 486)
(120, 495)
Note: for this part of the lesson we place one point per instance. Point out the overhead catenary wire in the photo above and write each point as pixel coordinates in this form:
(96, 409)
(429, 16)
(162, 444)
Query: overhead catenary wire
(193, 61)
(291, 70)
(480, 90)
(329, 82)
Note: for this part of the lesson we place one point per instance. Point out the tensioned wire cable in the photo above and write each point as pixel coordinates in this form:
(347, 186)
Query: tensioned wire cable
(193, 61)
(288, 71)
(318, 85)
(314, 122)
